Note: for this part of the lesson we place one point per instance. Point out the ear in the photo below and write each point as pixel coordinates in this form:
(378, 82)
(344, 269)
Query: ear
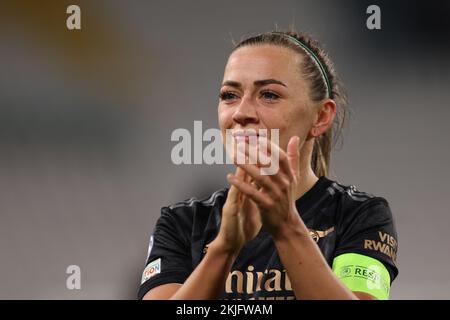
(325, 116)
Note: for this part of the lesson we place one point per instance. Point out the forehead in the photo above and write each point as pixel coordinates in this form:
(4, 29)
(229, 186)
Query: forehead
(263, 62)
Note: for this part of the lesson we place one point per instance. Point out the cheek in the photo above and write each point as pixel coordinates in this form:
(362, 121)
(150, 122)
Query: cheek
(273, 119)
(297, 122)
(225, 118)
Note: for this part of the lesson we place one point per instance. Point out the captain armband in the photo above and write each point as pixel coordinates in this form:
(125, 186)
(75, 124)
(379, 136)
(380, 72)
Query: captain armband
(362, 273)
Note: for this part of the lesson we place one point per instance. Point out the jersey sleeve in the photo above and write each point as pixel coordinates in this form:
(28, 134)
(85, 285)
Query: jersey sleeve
(366, 248)
(169, 254)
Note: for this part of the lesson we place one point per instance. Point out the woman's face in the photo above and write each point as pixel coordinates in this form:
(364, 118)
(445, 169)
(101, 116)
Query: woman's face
(263, 88)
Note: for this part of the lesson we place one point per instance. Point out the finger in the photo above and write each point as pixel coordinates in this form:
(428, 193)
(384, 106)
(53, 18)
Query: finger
(233, 194)
(264, 181)
(281, 156)
(258, 197)
(275, 153)
(274, 183)
(247, 178)
(241, 174)
(241, 155)
(293, 155)
(255, 184)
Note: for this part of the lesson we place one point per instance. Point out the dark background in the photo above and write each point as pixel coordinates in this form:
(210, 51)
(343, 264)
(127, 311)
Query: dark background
(86, 118)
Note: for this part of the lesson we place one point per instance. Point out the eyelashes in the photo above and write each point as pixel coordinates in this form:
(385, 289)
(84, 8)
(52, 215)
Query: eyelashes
(270, 95)
(266, 95)
(227, 96)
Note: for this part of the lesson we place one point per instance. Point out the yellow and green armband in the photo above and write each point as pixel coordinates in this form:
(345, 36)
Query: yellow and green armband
(362, 273)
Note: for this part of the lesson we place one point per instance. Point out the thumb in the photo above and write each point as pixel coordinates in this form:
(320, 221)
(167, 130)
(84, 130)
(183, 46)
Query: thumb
(234, 195)
(293, 155)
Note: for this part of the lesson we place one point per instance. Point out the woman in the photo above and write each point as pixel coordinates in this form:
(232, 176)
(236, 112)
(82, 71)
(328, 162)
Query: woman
(294, 234)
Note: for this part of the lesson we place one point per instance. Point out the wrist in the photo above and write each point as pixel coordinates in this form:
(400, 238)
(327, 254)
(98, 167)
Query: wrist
(219, 247)
(293, 228)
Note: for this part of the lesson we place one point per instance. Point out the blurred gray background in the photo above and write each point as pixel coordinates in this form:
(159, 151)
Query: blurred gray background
(86, 118)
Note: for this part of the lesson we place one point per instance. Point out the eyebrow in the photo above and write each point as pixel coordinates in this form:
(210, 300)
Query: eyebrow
(258, 83)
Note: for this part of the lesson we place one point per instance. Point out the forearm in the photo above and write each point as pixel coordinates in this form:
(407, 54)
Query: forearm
(207, 281)
(308, 271)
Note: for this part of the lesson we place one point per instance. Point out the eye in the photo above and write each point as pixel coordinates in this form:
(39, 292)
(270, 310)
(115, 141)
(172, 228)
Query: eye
(269, 96)
(227, 96)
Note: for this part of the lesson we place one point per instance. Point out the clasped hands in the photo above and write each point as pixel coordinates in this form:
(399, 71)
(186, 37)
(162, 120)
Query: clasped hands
(256, 199)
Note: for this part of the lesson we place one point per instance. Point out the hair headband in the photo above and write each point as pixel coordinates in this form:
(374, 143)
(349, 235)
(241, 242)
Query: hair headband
(312, 55)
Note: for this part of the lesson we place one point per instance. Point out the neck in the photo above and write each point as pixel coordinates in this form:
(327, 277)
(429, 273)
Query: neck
(306, 182)
(307, 177)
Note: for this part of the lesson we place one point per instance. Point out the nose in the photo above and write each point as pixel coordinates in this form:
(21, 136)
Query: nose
(246, 112)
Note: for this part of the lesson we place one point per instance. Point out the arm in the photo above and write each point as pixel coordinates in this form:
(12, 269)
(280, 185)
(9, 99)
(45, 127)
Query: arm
(310, 275)
(240, 223)
(206, 281)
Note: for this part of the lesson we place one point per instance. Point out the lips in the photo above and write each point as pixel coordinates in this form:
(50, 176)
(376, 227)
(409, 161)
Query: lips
(245, 135)
(240, 134)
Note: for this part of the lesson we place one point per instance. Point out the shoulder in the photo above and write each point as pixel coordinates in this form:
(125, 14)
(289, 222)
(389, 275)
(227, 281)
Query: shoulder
(183, 219)
(192, 205)
(193, 208)
(355, 204)
(363, 218)
(352, 198)
(194, 202)
(352, 195)
(365, 225)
